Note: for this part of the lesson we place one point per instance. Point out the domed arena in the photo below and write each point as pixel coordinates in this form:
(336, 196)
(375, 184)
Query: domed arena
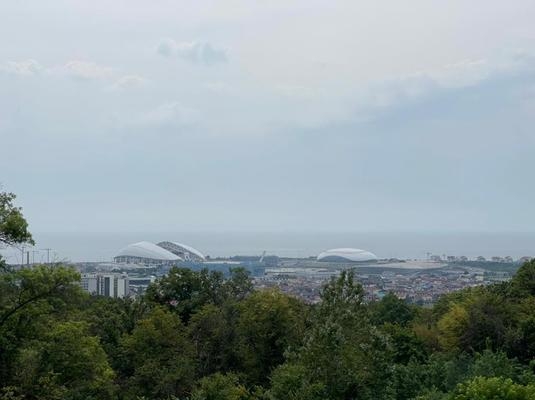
(145, 253)
(166, 252)
(347, 255)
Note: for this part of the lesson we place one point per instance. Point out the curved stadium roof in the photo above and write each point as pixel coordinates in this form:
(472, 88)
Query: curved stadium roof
(180, 247)
(147, 250)
(347, 255)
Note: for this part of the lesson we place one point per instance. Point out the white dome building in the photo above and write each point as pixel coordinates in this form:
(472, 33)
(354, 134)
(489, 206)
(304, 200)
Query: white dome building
(145, 253)
(347, 255)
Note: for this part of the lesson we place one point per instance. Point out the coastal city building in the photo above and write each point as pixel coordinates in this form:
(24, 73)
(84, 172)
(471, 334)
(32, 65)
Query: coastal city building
(420, 281)
(109, 285)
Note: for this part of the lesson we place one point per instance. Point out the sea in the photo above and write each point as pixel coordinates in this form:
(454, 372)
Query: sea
(102, 247)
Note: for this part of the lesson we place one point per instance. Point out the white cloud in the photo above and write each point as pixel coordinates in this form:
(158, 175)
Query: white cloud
(129, 82)
(85, 70)
(463, 74)
(195, 52)
(417, 86)
(171, 114)
(24, 68)
(77, 69)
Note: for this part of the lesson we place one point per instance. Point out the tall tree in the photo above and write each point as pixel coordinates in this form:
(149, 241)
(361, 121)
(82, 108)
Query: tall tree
(213, 331)
(13, 226)
(344, 356)
(157, 358)
(269, 323)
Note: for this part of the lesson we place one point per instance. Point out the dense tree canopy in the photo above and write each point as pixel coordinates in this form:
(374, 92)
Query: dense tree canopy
(197, 335)
(66, 361)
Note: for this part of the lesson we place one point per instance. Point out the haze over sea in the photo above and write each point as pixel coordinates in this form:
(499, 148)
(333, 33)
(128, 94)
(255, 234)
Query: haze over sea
(79, 247)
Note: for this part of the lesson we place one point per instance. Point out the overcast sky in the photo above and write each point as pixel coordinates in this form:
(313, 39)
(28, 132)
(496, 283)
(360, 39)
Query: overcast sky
(282, 115)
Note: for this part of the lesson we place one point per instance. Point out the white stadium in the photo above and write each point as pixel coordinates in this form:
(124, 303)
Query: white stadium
(161, 253)
(347, 255)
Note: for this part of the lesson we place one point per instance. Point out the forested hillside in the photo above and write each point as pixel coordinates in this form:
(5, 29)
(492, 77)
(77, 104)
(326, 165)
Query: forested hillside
(195, 335)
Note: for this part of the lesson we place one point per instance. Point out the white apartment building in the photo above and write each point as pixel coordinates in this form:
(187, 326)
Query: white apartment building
(111, 285)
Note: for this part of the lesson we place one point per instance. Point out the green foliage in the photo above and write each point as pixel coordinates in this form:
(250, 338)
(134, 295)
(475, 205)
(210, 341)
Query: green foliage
(13, 226)
(523, 283)
(269, 323)
(488, 318)
(213, 332)
(292, 382)
(26, 288)
(444, 303)
(29, 298)
(480, 319)
(239, 285)
(343, 354)
(481, 388)
(432, 394)
(392, 310)
(497, 364)
(452, 326)
(405, 344)
(409, 379)
(220, 387)
(425, 329)
(157, 358)
(185, 291)
(10, 393)
(520, 340)
(65, 363)
(341, 298)
(110, 319)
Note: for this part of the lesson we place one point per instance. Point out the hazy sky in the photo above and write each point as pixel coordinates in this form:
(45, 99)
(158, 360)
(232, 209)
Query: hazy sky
(293, 115)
